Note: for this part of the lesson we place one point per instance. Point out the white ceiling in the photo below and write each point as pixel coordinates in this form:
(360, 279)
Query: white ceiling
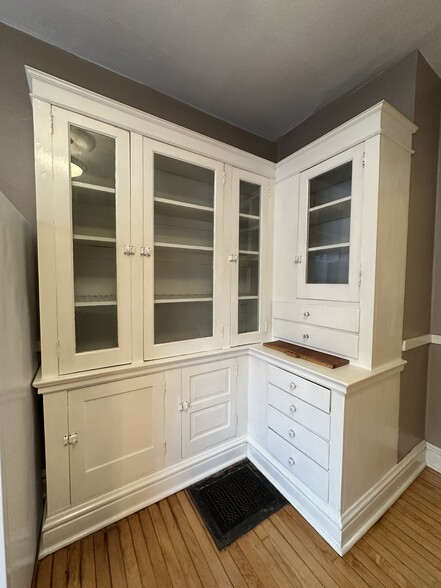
(263, 65)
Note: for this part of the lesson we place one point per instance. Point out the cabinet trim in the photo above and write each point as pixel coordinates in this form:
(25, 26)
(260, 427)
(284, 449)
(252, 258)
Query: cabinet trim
(68, 95)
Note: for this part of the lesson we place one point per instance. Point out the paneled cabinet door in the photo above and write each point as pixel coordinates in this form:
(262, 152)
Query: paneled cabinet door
(182, 250)
(209, 405)
(330, 202)
(92, 220)
(116, 434)
(248, 257)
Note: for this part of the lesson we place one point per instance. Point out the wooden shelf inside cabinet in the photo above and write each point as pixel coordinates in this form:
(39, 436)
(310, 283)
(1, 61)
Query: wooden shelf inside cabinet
(250, 216)
(324, 359)
(184, 298)
(94, 187)
(327, 247)
(183, 247)
(99, 303)
(94, 240)
(246, 252)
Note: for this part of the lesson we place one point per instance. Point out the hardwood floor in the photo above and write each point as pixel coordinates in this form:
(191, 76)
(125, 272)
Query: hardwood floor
(166, 545)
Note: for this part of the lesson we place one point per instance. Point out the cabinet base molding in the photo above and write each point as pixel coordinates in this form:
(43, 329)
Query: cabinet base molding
(342, 531)
(433, 457)
(72, 524)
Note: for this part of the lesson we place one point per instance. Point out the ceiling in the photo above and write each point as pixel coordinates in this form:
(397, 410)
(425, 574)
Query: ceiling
(262, 65)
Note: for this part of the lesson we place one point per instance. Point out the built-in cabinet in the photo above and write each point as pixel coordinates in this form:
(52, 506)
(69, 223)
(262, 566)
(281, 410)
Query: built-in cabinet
(165, 259)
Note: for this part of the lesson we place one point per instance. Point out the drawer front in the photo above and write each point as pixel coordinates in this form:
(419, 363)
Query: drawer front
(308, 443)
(328, 340)
(304, 389)
(299, 465)
(299, 411)
(321, 315)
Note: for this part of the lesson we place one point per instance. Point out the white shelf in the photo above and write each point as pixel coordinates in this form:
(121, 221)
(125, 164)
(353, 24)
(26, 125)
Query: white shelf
(332, 203)
(248, 298)
(251, 216)
(178, 203)
(178, 300)
(93, 187)
(245, 252)
(326, 247)
(97, 303)
(184, 247)
(93, 240)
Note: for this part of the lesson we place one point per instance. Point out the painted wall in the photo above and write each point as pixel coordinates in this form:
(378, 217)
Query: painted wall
(19, 430)
(414, 89)
(16, 153)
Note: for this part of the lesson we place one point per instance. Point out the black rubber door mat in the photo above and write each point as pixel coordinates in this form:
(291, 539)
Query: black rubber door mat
(234, 501)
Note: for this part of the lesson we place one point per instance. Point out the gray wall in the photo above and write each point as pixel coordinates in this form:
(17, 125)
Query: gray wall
(16, 147)
(20, 462)
(414, 89)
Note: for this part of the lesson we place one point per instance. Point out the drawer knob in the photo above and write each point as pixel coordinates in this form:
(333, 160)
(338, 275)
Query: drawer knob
(291, 461)
(306, 336)
(292, 386)
(292, 408)
(306, 314)
(291, 433)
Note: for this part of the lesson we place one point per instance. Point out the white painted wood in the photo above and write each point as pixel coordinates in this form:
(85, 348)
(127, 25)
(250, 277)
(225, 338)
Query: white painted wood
(120, 435)
(299, 411)
(56, 426)
(436, 339)
(351, 290)
(264, 271)
(318, 396)
(420, 341)
(328, 340)
(152, 349)
(433, 457)
(211, 393)
(58, 92)
(299, 465)
(78, 521)
(173, 419)
(342, 317)
(311, 445)
(70, 359)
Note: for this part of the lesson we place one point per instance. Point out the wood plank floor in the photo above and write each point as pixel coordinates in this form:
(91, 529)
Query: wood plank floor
(166, 545)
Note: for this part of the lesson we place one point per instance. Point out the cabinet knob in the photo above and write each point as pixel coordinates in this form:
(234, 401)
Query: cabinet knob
(306, 314)
(146, 251)
(291, 433)
(291, 461)
(292, 386)
(232, 257)
(292, 408)
(306, 336)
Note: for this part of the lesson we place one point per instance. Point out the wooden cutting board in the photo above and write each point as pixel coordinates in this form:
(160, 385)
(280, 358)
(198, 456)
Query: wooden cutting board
(324, 359)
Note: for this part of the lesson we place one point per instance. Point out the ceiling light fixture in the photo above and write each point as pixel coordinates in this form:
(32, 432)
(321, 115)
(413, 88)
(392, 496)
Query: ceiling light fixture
(77, 167)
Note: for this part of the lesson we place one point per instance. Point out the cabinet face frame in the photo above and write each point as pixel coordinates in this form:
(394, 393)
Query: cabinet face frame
(237, 338)
(70, 361)
(174, 348)
(343, 292)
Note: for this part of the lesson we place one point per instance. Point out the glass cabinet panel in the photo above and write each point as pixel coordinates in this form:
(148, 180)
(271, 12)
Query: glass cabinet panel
(329, 214)
(184, 196)
(249, 256)
(93, 188)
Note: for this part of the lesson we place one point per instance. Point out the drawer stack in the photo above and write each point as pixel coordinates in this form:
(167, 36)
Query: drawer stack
(299, 427)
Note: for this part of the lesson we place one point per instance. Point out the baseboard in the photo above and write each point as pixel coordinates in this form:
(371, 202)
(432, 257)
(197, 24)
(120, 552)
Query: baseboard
(433, 457)
(342, 531)
(77, 522)
(360, 517)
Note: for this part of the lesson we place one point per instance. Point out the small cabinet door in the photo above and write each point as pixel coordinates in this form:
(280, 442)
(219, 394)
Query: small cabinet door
(116, 434)
(183, 251)
(330, 203)
(209, 413)
(250, 270)
(92, 219)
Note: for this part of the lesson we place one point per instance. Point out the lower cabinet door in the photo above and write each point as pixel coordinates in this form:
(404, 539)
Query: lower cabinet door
(116, 434)
(209, 413)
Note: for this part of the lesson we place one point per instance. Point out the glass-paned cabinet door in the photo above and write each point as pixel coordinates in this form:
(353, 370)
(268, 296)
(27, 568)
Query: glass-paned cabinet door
(330, 200)
(92, 219)
(182, 235)
(248, 257)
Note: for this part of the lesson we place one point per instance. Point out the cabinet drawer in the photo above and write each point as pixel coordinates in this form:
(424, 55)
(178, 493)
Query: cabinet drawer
(329, 340)
(320, 315)
(308, 443)
(304, 389)
(298, 464)
(299, 411)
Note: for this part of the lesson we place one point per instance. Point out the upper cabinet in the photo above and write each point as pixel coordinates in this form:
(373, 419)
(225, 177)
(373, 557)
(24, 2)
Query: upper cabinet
(153, 241)
(339, 263)
(92, 219)
(330, 201)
